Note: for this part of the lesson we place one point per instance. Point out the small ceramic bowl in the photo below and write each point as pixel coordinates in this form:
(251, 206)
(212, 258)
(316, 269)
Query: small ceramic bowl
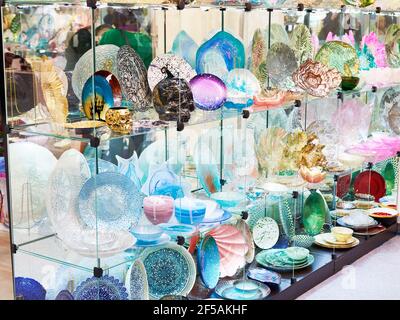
(147, 233)
(228, 199)
(297, 253)
(342, 234)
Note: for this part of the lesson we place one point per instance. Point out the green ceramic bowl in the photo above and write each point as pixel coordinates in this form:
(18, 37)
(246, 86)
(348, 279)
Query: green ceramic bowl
(297, 253)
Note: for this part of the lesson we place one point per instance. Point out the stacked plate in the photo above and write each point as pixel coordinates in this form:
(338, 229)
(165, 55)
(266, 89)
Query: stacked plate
(289, 259)
(357, 221)
(328, 240)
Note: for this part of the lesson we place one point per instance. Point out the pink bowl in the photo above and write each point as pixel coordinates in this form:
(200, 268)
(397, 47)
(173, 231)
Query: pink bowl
(158, 209)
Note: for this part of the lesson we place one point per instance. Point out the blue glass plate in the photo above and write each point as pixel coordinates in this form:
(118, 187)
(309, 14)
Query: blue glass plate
(165, 238)
(208, 261)
(177, 229)
(103, 97)
(225, 216)
(171, 270)
(113, 198)
(29, 289)
(103, 288)
(227, 290)
(104, 166)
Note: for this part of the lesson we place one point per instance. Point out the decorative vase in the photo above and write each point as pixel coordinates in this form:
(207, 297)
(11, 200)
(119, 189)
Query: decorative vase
(315, 212)
(119, 120)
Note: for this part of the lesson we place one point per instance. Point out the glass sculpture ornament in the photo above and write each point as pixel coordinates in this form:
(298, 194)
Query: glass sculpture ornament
(31, 168)
(208, 261)
(173, 98)
(339, 55)
(353, 118)
(29, 289)
(136, 281)
(101, 165)
(246, 232)
(64, 295)
(300, 42)
(209, 91)
(392, 43)
(106, 60)
(367, 60)
(359, 3)
(170, 269)
(119, 119)
(223, 45)
(390, 107)
(315, 212)
(389, 174)
(316, 79)
(278, 34)
(280, 65)
(312, 175)
(242, 86)
(269, 99)
(132, 75)
(185, 47)
(287, 218)
(327, 135)
(103, 288)
(114, 84)
(257, 59)
(176, 66)
(376, 47)
(110, 201)
(232, 248)
(97, 98)
(130, 168)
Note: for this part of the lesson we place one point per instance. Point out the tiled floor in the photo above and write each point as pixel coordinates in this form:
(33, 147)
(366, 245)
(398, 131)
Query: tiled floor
(374, 276)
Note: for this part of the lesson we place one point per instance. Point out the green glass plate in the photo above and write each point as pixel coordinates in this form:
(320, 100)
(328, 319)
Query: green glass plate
(287, 219)
(339, 55)
(270, 255)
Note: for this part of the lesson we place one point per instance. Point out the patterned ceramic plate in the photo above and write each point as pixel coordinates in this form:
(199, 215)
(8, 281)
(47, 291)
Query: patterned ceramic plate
(170, 269)
(208, 261)
(110, 200)
(339, 55)
(266, 233)
(264, 275)
(103, 288)
(175, 64)
(136, 281)
(268, 258)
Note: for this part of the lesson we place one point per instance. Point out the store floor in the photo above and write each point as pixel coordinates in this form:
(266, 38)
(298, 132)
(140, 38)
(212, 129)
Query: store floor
(371, 277)
(374, 276)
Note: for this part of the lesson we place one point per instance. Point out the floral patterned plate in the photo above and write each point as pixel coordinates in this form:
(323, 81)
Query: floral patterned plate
(266, 233)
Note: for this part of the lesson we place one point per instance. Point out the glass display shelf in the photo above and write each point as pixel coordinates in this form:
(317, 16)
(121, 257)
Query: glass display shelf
(242, 5)
(146, 126)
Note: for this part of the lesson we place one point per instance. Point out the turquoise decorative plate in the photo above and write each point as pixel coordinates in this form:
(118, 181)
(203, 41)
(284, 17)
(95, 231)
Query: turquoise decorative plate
(170, 269)
(208, 261)
(271, 259)
(136, 281)
(103, 288)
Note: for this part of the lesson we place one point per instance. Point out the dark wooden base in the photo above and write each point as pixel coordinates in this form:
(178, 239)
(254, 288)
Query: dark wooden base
(327, 263)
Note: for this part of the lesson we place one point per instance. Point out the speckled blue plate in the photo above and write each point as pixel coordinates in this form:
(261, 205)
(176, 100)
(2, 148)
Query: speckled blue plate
(170, 269)
(103, 288)
(29, 289)
(113, 198)
(208, 261)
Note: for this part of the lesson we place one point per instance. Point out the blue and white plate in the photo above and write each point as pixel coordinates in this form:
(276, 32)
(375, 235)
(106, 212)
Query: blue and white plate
(170, 269)
(217, 217)
(165, 238)
(208, 261)
(112, 199)
(29, 289)
(136, 281)
(103, 288)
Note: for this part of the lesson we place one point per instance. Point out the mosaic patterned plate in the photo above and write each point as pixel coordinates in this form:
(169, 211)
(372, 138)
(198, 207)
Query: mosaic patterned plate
(103, 288)
(112, 199)
(136, 281)
(208, 261)
(339, 55)
(175, 64)
(266, 233)
(170, 269)
(29, 289)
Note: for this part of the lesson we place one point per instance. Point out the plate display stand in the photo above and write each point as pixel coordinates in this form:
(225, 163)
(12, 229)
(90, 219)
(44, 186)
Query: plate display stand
(232, 183)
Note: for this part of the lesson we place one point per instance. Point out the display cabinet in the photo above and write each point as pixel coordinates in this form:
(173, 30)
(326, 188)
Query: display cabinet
(191, 151)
